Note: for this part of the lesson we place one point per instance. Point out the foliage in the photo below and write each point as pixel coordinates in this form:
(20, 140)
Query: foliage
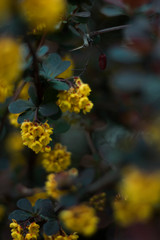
(80, 121)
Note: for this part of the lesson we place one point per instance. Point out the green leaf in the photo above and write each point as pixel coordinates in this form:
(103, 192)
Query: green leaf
(58, 85)
(48, 109)
(112, 11)
(83, 14)
(82, 17)
(24, 204)
(53, 66)
(19, 106)
(51, 227)
(19, 215)
(61, 126)
(38, 205)
(42, 51)
(45, 208)
(28, 115)
(55, 116)
(33, 95)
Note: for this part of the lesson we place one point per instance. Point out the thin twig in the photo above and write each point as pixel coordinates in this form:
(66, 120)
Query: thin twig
(90, 143)
(42, 40)
(102, 31)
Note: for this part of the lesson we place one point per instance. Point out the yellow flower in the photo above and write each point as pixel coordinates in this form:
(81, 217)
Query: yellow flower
(62, 236)
(52, 187)
(36, 136)
(13, 119)
(10, 60)
(14, 142)
(98, 201)
(142, 193)
(15, 226)
(75, 99)
(33, 229)
(81, 219)
(4, 9)
(16, 230)
(43, 14)
(69, 71)
(6, 90)
(30, 236)
(57, 160)
(60, 180)
(127, 213)
(16, 236)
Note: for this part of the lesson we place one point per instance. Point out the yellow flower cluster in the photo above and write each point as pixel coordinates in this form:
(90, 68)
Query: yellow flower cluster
(62, 236)
(62, 179)
(36, 136)
(33, 231)
(10, 66)
(5, 91)
(80, 218)
(76, 98)
(57, 160)
(52, 187)
(43, 14)
(98, 201)
(69, 71)
(141, 191)
(17, 231)
(4, 9)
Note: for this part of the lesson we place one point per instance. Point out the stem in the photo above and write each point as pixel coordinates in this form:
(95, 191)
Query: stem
(42, 40)
(35, 72)
(90, 143)
(98, 32)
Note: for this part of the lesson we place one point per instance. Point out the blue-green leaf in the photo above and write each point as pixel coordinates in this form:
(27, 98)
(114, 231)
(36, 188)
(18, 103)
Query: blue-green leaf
(51, 227)
(42, 51)
(24, 204)
(28, 115)
(19, 215)
(33, 95)
(112, 11)
(45, 208)
(53, 66)
(58, 85)
(20, 106)
(48, 109)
